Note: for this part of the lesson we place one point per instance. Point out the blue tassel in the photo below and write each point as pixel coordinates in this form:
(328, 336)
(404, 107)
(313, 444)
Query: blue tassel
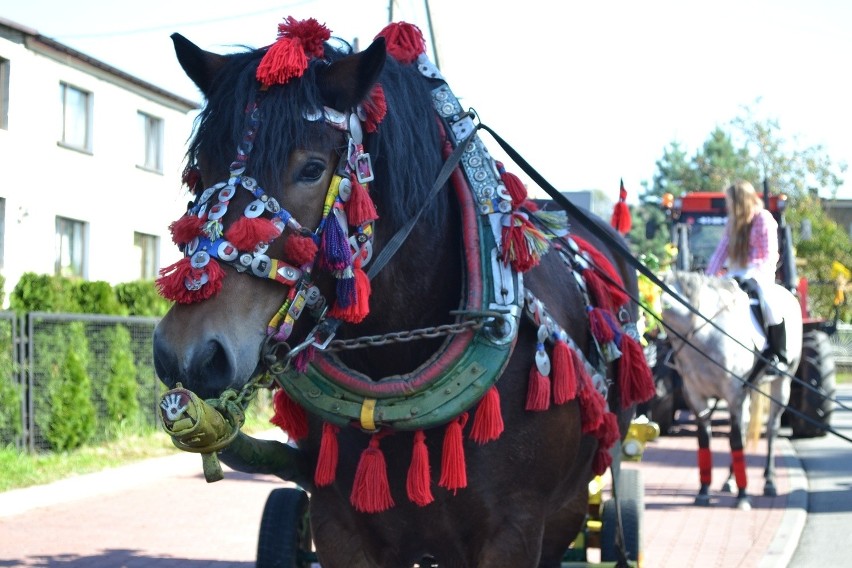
(336, 254)
(346, 295)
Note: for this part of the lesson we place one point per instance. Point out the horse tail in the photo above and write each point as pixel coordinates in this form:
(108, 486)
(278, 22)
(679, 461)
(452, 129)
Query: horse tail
(758, 411)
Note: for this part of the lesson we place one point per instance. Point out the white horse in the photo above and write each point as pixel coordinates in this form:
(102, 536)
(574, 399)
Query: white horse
(716, 360)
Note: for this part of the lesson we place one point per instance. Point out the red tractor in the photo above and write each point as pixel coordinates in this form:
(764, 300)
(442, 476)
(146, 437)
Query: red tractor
(696, 222)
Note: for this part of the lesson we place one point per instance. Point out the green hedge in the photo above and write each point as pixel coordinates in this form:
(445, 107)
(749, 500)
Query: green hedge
(89, 387)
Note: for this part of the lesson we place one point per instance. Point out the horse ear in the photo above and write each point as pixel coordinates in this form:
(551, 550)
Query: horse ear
(348, 81)
(199, 65)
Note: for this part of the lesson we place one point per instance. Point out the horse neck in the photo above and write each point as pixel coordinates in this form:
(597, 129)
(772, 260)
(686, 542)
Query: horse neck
(417, 289)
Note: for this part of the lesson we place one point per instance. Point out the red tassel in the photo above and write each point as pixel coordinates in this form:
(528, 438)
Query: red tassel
(185, 229)
(488, 420)
(618, 297)
(360, 208)
(601, 461)
(597, 289)
(404, 41)
(538, 390)
(608, 432)
(300, 250)
(289, 416)
(356, 311)
(371, 491)
(453, 468)
(375, 108)
(191, 178)
(600, 327)
(621, 221)
(514, 186)
(523, 244)
(418, 484)
(246, 233)
(564, 377)
(635, 379)
(171, 283)
(592, 406)
(288, 56)
(326, 470)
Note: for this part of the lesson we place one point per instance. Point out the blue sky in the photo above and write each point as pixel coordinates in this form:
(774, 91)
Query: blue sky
(587, 92)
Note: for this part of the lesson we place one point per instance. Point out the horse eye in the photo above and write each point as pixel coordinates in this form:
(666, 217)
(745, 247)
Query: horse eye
(311, 172)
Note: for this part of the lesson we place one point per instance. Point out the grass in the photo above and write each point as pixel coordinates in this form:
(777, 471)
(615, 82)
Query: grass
(24, 469)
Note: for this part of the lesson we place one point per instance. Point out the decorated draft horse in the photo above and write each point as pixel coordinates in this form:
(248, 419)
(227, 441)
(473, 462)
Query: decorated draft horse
(452, 363)
(721, 361)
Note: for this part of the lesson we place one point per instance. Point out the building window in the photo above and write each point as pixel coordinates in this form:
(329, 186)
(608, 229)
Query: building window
(151, 156)
(4, 94)
(147, 248)
(76, 118)
(71, 236)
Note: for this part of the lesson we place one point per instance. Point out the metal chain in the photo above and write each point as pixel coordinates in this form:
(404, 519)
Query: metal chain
(404, 336)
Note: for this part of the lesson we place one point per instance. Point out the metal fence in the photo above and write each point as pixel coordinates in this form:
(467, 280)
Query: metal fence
(841, 343)
(34, 352)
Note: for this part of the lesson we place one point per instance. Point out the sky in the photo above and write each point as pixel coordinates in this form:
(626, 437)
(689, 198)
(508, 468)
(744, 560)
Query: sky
(589, 93)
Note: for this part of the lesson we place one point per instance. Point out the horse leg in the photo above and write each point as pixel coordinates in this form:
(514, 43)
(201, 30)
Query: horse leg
(738, 465)
(780, 392)
(705, 457)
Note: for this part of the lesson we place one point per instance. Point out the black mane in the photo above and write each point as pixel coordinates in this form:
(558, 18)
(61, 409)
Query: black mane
(405, 151)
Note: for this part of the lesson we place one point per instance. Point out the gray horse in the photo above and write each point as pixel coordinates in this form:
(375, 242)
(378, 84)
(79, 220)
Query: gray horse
(716, 361)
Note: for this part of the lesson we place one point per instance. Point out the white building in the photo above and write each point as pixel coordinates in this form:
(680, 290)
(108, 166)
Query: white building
(91, 161)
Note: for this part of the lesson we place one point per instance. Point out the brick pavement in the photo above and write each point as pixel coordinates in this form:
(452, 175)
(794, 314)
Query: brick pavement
(162, 514)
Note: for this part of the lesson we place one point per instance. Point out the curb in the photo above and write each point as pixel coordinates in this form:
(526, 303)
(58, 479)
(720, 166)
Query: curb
(786, 539)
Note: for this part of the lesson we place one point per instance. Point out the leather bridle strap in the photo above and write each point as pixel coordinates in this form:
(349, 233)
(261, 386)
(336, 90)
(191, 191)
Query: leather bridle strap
(401, 235)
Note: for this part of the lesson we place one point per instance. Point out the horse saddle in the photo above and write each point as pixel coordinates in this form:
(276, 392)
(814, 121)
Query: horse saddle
(756, 300)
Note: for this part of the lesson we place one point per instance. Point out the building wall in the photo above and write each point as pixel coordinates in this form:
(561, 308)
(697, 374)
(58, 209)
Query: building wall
(42, 179)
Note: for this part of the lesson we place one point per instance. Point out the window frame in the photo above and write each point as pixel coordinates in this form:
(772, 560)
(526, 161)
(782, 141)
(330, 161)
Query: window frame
(152, 133)
(88, 105)
(148, 248)
(78, 266)
(5, 72)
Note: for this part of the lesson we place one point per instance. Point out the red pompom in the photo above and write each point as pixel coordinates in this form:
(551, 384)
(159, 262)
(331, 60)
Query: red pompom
(371, 490)
(173, 279)
(186, 228)
(300, 250)
(404, 41)
(246, 233)
(418, 482)
(288, 56)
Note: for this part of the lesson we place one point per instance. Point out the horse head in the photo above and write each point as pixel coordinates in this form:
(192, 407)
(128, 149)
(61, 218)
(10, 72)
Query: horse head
(277, 154)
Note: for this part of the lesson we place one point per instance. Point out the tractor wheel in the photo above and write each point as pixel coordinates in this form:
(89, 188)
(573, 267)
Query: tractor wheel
(631, 499)
(817, 369)
(285, 534)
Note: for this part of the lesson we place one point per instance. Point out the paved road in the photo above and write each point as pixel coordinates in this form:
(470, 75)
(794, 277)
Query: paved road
(828, 465)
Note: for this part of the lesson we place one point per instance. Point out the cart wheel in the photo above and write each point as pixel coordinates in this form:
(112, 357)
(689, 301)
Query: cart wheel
(818, 370)
(285, 533)
(631, 498)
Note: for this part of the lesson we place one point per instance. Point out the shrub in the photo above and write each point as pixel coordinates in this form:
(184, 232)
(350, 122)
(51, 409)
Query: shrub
(141, 299)
(72, 418)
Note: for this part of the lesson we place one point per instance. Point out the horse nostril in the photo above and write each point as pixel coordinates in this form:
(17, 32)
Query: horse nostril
(205, 367)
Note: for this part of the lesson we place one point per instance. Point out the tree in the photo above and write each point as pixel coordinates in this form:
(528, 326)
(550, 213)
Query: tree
(754, 149)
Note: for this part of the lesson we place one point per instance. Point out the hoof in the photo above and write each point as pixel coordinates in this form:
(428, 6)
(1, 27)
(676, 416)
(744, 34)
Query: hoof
(743, 503)
(702, 500)
(769, 490)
